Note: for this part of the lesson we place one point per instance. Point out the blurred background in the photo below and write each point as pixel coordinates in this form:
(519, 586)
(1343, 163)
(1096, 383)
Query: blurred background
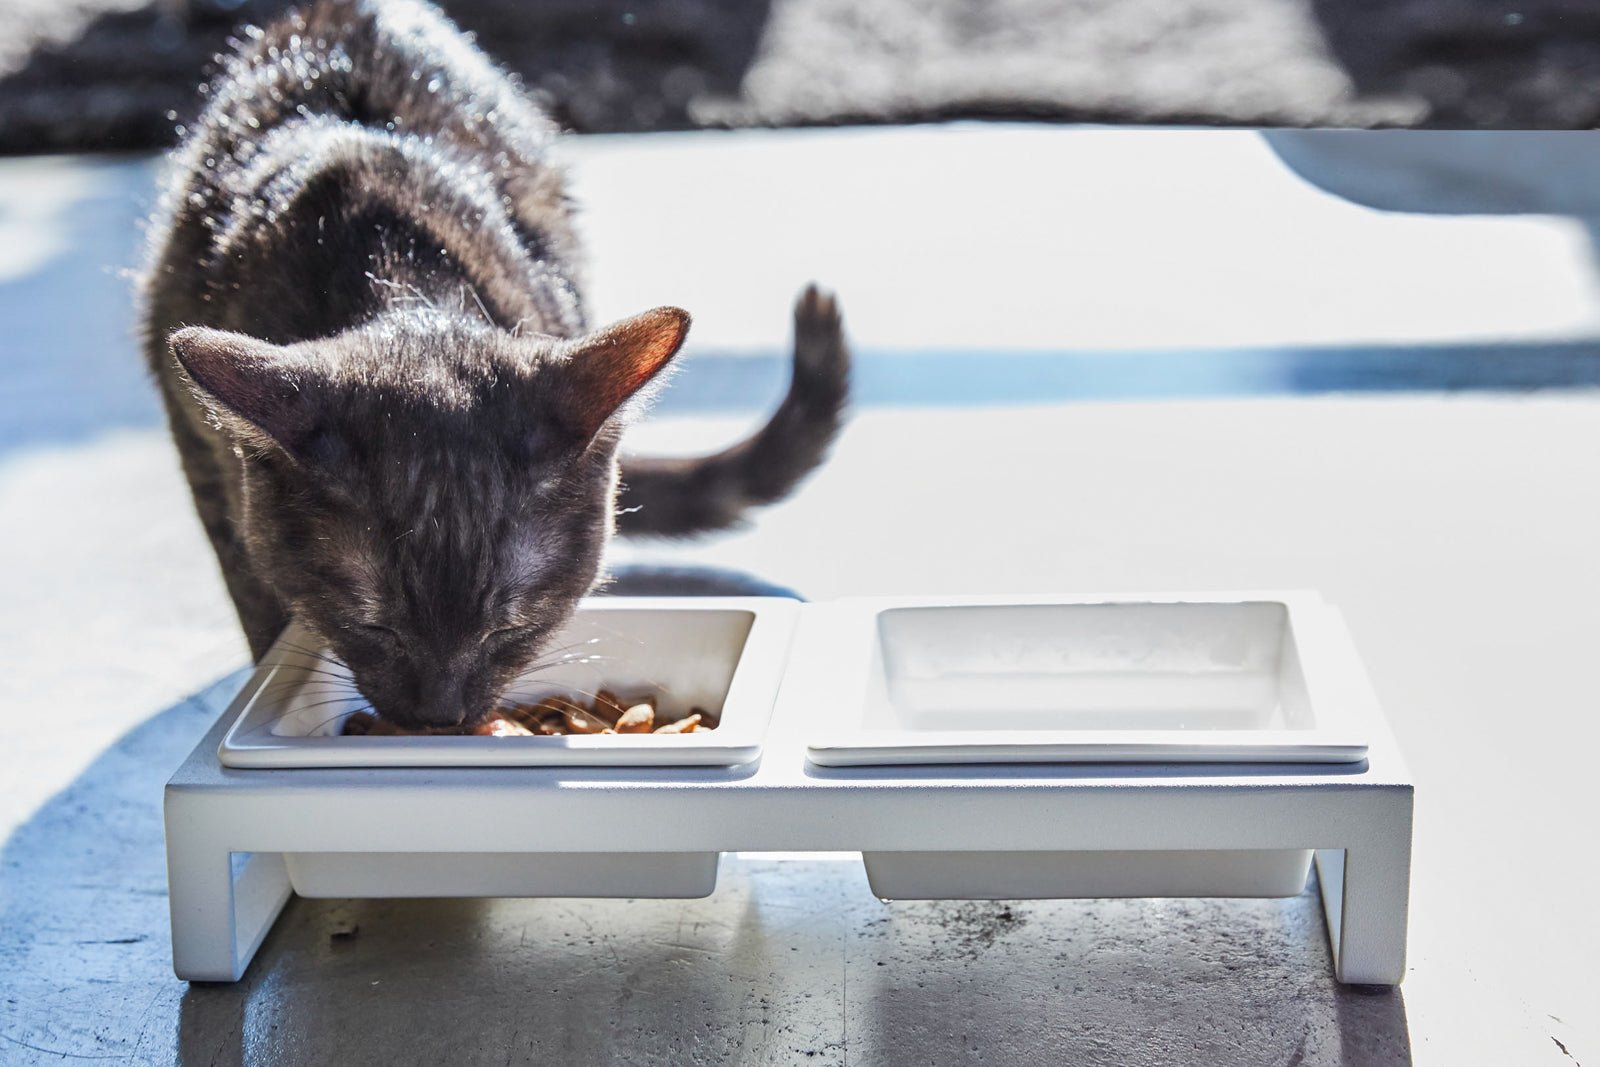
(1099, 348)
(105, 73)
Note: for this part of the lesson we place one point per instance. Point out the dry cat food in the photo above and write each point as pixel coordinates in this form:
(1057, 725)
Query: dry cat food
(606, 714)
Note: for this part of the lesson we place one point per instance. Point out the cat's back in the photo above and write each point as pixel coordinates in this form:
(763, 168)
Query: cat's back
(370, 98)
(389, 65)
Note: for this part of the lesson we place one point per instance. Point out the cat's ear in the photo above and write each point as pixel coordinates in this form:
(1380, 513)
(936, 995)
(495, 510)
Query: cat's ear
(607, 368)
(242, 378)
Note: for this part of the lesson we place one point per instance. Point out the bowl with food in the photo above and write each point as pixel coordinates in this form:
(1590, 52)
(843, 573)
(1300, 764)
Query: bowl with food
(627, 682)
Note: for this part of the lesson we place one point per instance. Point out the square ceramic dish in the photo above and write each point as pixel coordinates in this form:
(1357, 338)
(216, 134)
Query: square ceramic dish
(1219, 679)
(725, 655)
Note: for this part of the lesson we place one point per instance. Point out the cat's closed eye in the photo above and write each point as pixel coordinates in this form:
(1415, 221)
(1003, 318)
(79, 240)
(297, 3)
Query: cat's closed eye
(380, 635)
(505, 634)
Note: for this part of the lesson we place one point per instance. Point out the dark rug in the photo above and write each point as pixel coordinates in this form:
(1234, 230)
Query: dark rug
(118, 74)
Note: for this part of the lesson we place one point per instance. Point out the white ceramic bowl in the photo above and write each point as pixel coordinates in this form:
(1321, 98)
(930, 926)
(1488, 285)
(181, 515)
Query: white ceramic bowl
(725, 655)
(966, 683)
(1053, 680)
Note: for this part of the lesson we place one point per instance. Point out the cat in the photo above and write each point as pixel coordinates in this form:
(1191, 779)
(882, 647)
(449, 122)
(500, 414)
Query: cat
(363, 313)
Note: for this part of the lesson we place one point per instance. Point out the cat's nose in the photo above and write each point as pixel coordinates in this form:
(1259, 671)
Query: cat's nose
(432, 715)
(440, 703)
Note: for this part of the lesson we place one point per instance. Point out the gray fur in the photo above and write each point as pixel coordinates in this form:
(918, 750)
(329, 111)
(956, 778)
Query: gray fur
(363, 315)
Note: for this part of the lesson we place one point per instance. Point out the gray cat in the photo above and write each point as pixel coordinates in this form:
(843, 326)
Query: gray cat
(363, 314)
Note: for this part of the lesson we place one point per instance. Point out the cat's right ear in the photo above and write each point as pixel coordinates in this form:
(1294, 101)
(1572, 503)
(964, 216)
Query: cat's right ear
(605, 369)
(239, 377)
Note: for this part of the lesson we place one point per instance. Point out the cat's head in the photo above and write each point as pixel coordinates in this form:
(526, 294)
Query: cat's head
(431, 497)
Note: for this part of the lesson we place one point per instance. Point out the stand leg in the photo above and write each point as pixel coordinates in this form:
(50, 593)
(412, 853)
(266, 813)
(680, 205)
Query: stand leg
(219, 914)
(1366, 891)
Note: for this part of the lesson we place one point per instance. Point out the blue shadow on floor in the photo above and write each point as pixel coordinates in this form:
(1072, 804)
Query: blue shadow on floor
(739, 383)
(70, 366)
(79, 397)
(70, 369)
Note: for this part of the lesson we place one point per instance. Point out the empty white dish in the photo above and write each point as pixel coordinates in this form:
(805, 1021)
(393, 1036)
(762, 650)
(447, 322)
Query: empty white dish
(1051, 679)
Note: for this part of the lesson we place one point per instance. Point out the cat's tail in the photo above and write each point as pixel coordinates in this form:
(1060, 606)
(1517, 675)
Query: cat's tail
(680, 497)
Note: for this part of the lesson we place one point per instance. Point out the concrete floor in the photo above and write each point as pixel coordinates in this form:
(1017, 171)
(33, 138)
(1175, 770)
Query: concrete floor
(789, 962)
(1457, 533)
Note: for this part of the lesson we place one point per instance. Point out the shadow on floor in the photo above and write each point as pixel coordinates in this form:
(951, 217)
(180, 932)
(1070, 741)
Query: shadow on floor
(645, 579)
(742, 383)
(787, 962)
(72, 367)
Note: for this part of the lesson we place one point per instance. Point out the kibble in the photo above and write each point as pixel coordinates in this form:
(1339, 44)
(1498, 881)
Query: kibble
(639, 719)
(687, 725)
(554, 716)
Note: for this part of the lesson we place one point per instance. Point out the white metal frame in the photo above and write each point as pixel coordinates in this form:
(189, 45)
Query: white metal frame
(228, 829)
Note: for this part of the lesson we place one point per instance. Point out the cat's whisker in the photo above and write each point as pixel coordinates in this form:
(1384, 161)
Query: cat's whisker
(267, 723)
(535, 668)
(321, 704)
(318, 674)
(323, 685)
(280, 705)
(310, 660)
(312, 657)
(286, 643)
(318, 654)
(321, 673)
(288, 712)
(325, 666)
(316, 678)
(569, 648)
(591, 694)
(336, 718)
(566, 662)
(319, 663)
(314, 650)
(563, 655)
(528, 681)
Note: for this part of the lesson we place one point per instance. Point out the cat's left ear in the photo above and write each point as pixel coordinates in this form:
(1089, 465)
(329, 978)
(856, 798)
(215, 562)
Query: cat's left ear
(254, 386)
(607, 368)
